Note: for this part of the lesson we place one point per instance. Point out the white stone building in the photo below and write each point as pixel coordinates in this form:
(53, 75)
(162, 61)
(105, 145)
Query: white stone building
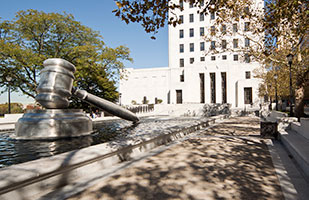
(193, 77)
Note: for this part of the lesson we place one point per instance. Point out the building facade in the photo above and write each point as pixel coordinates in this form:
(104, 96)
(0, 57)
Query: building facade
(194, 76)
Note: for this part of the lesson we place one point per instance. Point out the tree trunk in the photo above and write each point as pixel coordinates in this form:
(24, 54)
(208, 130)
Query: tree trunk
(299, 102)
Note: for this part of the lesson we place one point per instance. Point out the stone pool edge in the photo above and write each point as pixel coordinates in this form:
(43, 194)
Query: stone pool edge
(40, 177)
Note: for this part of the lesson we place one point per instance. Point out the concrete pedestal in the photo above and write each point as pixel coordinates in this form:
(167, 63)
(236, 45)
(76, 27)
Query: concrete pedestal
(53, 124)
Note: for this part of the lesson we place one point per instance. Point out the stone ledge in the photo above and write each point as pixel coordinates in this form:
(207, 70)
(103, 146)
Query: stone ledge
(298, 146)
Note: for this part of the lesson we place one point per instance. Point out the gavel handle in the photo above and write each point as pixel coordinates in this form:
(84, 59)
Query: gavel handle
(105, 105)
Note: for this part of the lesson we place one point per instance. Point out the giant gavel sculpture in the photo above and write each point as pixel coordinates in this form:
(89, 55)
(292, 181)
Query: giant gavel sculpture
(54, 89)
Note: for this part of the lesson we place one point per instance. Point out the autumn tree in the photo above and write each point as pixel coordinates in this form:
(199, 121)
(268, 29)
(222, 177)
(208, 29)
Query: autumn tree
(274, 29)
(33, 36)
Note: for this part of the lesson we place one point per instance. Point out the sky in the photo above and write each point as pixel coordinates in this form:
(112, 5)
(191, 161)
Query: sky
(97, 14)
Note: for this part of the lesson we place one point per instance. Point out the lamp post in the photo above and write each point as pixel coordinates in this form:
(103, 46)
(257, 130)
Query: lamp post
(8, 78)
(276, 95)
(290, 60)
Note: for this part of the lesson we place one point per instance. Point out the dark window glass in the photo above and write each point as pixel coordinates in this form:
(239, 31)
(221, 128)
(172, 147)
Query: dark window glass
(235, 43)
(213, 58)
(235, 28)
(247, 58)
(181, 48)
(223, 86)
(247, 26)
(235, 57)
(190, 5)
(247, 42)
(212, 15)
(213, 45)
(248, 95)
(224, 57)
(181, 62)
(223, 44)
(223, 29)
(201, 31)
(191, 60)
(202, 46)
(191, 32)
(212, 30)
(248, 75)
(181, 33)
(191, 17)
(191, 47)
(181, 19)
(201, 17)
(202, 59)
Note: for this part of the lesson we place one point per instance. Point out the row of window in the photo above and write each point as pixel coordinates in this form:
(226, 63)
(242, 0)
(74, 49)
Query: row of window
(213, 45)
(212, 16)
(247, 59)
(212, 30)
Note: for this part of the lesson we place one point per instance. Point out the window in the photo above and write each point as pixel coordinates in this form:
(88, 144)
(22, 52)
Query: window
(178, 96)
(181, 62)
(202, 2)
(202, 88)
(181, 48)
(247, 42)
(191, 60)
(191, 32)
(235, 57)
(202, 46)
(223, 29)
(213, 87)
(248, 95)
(213, 58)
(181, 19)
(212, 15)
(247, 25)
(201, 31)
(235, 28)
(182, 78)
(181, 33)
(247, 58)
(223, 44)
(191, 18)
(246, 10)
(191, 47)
(248, 75)
(213, 45)
(223, 86)
(202, 59)
(190, 5)
(224, 57)
(212, 30)
(201, 17)
(181, 4)
(235, 43)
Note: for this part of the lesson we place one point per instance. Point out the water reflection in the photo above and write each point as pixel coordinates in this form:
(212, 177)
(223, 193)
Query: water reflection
(19, 151)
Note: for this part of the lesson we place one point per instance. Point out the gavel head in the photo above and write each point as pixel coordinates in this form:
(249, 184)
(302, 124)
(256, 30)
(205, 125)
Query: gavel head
(56, 82)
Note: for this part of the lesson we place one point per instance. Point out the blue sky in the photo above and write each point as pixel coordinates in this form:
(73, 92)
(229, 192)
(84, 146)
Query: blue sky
(97, 14)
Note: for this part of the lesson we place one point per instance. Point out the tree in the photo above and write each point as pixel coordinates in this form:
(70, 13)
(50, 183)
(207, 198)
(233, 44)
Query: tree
(281, 27)
(34, 36)
(15, 108)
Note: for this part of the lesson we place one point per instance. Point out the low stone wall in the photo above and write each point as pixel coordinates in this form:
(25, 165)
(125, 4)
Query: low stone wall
(301, 127)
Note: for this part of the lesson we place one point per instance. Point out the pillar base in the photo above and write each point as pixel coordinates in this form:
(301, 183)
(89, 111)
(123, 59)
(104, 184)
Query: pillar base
(53, 124)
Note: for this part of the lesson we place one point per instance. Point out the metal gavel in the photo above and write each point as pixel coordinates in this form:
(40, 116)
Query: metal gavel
(56, 86)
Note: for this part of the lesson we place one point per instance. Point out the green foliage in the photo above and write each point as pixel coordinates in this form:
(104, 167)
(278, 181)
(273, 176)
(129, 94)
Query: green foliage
(34, 36)
(15, 108)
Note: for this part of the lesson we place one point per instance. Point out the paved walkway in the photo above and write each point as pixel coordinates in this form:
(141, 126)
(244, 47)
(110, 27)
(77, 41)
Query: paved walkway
(214, 164)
